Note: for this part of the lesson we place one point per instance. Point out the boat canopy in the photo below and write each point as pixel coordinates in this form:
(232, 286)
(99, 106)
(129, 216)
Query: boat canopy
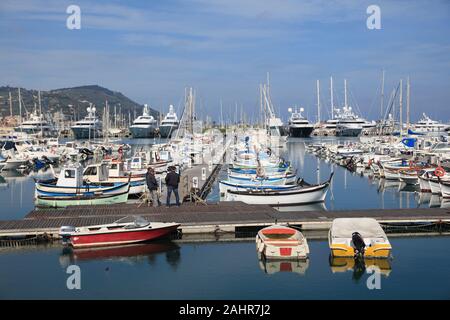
(367, 227)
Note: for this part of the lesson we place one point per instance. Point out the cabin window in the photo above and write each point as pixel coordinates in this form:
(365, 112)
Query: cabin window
(69, 174)
(91, 171)
(114, 166)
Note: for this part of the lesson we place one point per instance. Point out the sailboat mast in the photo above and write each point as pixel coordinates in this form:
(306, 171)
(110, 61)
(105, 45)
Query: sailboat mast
(400, 106)
(345, 93)
(10, 104)
(39, 101)
(318, 101)
(331, 97)
(407, 104)
(20, 108)
(382, 95)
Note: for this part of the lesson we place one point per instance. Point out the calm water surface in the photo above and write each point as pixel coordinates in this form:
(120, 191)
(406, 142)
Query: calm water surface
(231, 270)
(223, 270)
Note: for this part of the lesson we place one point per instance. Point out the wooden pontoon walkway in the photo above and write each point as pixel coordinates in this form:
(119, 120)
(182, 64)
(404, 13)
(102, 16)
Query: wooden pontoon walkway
(224, 216)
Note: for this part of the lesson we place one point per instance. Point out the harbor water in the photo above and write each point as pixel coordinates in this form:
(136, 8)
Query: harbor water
(230, 269)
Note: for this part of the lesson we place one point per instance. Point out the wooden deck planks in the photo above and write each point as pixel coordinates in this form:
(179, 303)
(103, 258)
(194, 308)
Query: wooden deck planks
(226, 213)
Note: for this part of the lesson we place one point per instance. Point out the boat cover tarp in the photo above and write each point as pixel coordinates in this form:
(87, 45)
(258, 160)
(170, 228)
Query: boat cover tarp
(367, 227)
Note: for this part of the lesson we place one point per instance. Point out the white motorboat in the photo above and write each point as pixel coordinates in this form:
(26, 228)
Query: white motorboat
(281, 242)
(358, 236)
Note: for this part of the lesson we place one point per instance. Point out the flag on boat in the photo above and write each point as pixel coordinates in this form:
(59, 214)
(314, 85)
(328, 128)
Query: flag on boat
(409, 142)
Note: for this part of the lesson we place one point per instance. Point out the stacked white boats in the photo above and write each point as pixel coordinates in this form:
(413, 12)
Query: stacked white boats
(257, 176)
(417, 162)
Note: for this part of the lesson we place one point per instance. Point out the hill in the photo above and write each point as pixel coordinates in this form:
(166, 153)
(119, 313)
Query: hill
(71, 101)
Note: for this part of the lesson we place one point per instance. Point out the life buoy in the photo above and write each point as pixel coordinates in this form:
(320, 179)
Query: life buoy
(439, 172)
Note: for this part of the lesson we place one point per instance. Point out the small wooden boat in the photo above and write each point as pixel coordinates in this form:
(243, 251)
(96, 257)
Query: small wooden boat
(70, 184)
(408, 176)
(225, 185)
(103, 173)
(350, 237)
(130, 229)
(303, 193)
(281, 242)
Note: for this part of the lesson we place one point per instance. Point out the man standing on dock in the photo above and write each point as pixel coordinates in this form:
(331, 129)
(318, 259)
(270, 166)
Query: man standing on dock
(152, 185)
(172, 181)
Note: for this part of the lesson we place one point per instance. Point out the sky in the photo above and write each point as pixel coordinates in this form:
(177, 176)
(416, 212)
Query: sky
(151, 50)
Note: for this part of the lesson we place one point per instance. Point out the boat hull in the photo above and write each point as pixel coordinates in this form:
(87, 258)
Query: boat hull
(311, 194)
(143, 132)
(281, 248)
(117, 238)
(300, 132)
(49, 190)
(86, 133)
(167, 131)
(62, 202)
(348, 132)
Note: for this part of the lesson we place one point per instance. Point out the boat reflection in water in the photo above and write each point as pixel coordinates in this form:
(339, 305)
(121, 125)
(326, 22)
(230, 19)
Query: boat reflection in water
(273, 266)
(435, 201)
(424, 198)
(445, 203)
(359, 266)
(132, 253)
(319, 206)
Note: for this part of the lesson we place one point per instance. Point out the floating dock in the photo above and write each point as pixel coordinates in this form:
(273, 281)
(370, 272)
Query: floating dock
(215, 218)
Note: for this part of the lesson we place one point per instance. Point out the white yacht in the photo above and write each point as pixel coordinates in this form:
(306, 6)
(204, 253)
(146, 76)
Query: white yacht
(346, 122)
(88, 128)
(35, 124)
(169, 124)
(299, 126)
(144, 126)
(427, 125)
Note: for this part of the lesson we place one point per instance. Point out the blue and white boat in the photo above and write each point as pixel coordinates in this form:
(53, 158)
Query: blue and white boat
(225, 185)
(70, 184)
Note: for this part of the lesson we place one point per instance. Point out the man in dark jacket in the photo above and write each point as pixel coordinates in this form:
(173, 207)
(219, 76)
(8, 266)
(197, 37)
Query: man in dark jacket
(152, 185)
(172, 181)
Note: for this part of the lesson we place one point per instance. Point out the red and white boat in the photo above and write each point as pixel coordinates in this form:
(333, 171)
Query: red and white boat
(130, 229)
(281, 242)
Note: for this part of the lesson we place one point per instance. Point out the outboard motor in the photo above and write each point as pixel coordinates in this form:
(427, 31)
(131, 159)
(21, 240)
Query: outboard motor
(358, 243)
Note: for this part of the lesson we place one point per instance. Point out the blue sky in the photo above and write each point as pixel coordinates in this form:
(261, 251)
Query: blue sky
(151, 50)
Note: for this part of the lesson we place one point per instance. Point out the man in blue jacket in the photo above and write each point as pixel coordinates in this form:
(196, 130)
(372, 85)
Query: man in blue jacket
(172, 181)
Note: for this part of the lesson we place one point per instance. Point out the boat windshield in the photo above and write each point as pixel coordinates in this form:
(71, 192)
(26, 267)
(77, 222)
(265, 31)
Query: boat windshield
(136, 221)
